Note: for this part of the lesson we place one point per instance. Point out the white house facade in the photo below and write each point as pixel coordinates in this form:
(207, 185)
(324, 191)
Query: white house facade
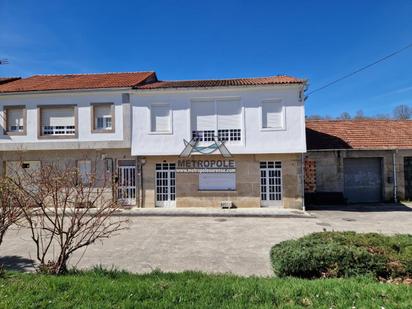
(214, 143)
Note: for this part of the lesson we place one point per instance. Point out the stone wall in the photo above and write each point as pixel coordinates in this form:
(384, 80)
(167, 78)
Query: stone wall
(68, 159)
(330, 173)
(247, 192)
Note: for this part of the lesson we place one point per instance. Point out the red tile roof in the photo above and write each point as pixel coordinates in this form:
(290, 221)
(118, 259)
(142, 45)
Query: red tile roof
(4, 80)
(257, 81)
(78, 81)
(358, 134)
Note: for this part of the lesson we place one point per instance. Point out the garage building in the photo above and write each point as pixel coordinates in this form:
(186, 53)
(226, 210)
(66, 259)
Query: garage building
(358, 161)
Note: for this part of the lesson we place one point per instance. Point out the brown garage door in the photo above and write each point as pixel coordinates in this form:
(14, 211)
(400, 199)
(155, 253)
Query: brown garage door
(363, 180)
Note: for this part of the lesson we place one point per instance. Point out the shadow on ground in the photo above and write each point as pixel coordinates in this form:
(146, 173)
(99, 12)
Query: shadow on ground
(17, 263)
(373, 207)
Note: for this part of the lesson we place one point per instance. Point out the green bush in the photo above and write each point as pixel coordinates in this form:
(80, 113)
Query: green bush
(344, 254)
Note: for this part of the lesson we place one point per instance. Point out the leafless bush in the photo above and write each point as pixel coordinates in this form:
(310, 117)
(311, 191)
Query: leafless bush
(9, 214)
(65, 211)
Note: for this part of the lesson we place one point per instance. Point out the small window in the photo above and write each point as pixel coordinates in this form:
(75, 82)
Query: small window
(217, 181)
(272, 115)
(103, 115)
(125, 98)
(85, 169)
(160, 118)
(15, 120)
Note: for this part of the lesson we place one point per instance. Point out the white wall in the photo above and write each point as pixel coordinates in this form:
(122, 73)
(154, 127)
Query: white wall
(82, 100)
(291, 139)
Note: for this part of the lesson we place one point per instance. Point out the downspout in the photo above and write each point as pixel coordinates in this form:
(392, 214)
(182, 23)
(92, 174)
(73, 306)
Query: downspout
(142, 162)
(303, 181)
(395, 180)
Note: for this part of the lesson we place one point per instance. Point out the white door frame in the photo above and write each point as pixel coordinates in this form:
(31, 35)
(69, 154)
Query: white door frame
(165, 185)
(126, 185)
(271, 184)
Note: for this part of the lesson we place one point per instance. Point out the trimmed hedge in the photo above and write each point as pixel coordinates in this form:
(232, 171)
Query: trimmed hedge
(344, 254)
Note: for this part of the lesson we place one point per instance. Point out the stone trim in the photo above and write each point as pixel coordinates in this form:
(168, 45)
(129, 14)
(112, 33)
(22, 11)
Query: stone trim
(39, 122)
(92, 116)
(5, 125)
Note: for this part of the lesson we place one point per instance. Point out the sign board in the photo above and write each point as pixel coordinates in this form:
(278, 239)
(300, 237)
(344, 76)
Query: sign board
(206, 166)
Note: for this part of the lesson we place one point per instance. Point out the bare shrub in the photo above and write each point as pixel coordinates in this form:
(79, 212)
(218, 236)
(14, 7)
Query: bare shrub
(65, 211)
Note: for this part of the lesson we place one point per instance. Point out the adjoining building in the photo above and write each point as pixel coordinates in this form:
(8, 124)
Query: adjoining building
(209, 143)
(358, 161)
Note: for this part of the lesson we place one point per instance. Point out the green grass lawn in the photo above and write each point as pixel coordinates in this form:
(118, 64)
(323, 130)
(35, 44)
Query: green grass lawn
(100, 289)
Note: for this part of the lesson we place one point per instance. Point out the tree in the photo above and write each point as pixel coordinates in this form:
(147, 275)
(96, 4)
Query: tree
(65, 211)
(9, 213)
(345, 116)
(359, 115)
(402, 112)
(383, 116)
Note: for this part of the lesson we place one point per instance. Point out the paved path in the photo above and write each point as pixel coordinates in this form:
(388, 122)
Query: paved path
(211, 244)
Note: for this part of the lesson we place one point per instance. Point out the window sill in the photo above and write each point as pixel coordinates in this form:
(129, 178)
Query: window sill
(74, 136)
(11, 133)
(217, 191)
(98, 131)
(161, 133)
(273, 129)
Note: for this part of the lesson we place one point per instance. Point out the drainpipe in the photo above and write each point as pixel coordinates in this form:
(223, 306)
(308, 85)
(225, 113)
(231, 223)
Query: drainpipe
(303, 181)
(142, 162)
(395, 180)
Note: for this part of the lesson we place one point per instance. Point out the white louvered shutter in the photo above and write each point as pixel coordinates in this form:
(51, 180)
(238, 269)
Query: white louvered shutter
(203, 116)
(272, 115)
(228, 114)
(14, 118)
(58, 116)
(160, 118)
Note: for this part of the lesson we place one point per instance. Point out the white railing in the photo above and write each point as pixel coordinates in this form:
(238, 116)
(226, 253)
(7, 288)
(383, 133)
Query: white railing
(226, 135)
(58, 130)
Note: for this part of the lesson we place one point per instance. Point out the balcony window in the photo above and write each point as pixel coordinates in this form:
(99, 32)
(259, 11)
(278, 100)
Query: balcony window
(58, 121)
(15, 120)
(103, 117)
(216, 119)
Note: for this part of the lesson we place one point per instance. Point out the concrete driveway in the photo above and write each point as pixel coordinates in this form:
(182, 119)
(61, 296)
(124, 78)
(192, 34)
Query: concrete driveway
(209, 244)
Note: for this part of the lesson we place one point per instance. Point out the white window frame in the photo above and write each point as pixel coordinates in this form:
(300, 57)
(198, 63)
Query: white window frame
(283, 115)
(104, 119)
(170, 131)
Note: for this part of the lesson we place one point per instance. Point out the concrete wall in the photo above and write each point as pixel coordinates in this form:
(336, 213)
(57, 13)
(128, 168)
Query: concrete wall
(247, 183)
(290, 139)
(330, 173)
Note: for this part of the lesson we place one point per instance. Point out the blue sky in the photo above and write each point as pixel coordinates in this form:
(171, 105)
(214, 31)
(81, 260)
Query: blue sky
(317, 40)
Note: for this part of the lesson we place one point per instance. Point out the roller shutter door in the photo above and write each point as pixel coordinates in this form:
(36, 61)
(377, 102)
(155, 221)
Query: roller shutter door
(363, 180)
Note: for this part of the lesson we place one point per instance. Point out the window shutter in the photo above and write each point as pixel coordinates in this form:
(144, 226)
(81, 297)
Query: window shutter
(203, 116)
(102, 111)
(160, 118)
(228, 114)
(58, 116)
(14, 117)
(272, 115)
